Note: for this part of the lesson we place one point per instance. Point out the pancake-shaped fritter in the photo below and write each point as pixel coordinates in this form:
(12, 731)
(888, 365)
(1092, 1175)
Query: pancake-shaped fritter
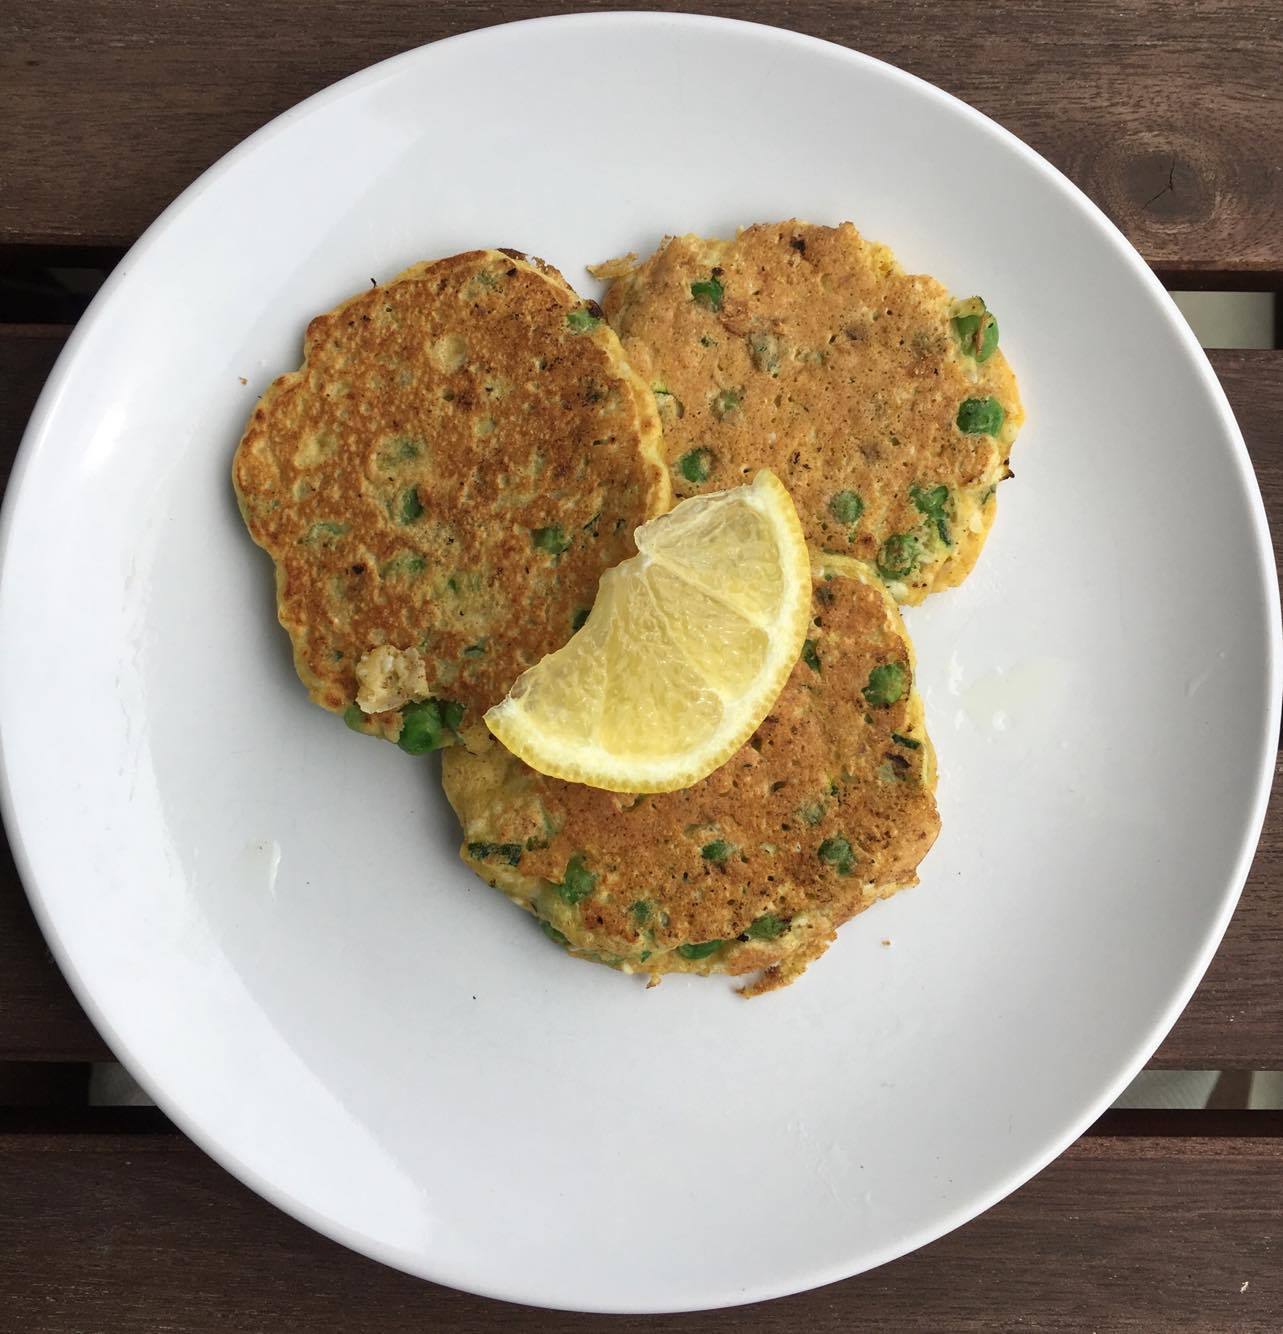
(828, 808)
(442, 483)
(883, 406)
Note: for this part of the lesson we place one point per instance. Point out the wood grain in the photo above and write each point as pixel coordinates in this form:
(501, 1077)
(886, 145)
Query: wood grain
(145, 1233)
(39, 1017)
(1167, 114)
(27, 355)
(1235, 1019)
(40, 1020)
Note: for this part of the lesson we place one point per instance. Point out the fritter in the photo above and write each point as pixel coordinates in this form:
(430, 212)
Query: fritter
(884, 406)
(462, 453)
(827, 809)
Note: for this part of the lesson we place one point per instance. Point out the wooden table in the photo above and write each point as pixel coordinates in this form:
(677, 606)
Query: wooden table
(1170, 117)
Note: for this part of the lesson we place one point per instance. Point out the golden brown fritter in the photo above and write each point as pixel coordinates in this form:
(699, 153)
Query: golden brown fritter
(882, 405)
(441, 484)
(827, 809)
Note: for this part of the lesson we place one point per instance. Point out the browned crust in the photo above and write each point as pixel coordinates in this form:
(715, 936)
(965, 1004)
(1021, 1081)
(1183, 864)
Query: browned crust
(825, 765)
(459, 383)
(847, 378)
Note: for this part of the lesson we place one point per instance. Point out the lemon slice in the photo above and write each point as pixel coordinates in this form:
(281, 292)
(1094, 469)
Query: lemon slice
(687, 648)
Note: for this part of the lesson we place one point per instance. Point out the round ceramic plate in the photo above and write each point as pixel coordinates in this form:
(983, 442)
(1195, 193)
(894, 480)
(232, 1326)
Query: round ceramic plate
(264, 913)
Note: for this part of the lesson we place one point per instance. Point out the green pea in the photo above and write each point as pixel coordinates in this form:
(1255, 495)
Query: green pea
(505, 852)
(846, 506)
(725, 402)
(322, 533)
(399, 450)
(422, 727)
(809, 655)
(838, 853)
(429, 724)
(766, 927)
(580, 321)
(577, 882)
(716, 851)
(701, 950)
(550, 539)
(987, 342)
(552, 933)
(578, 619)
(898, 556)
(976, 329)
(930, 501)
(410, 507)
(709, 294)
(934, 504)
(965, 327)
(668, 403)
(696, 464)
(906, 741)
(980, 416)
(886, 684)
(641, 912)
(354, 717)
(404, 562)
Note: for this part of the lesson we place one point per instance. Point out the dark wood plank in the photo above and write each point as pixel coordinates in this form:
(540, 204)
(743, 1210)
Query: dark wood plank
(144, 1233)
(1168, 116)
(40, 1020)
(27, 355)
(1235, 1020)
(26, 1085)
(39, 1017)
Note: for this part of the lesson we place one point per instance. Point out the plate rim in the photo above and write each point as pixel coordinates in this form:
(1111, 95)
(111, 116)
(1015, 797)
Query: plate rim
(35, 438)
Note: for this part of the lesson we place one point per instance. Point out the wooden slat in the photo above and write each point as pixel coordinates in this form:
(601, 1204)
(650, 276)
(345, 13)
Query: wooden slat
(40, 1020)
(1253, 383)
(27, 355)
(1168, 115)
(39, 1017)
(128, 1234)
(1234, 1021)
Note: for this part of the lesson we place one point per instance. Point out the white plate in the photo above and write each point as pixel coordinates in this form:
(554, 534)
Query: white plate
(263, 912)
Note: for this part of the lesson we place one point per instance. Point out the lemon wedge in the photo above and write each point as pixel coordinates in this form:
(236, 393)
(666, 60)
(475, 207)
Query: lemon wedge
(687, 647)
